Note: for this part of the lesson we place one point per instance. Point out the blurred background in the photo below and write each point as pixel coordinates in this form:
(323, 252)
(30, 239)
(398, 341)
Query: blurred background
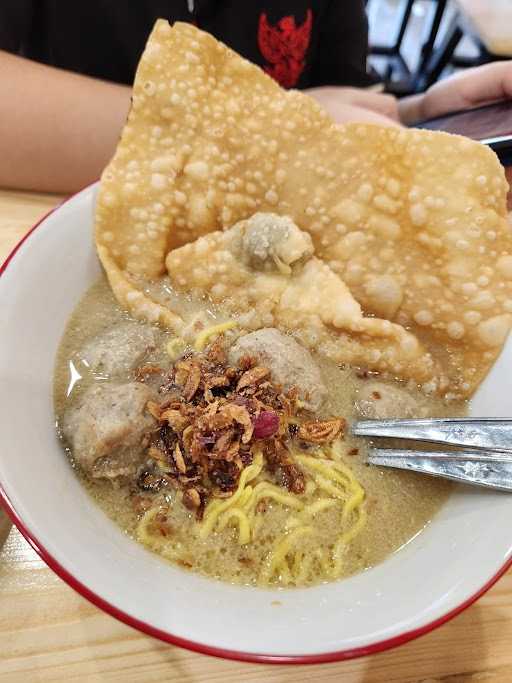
(416, 42)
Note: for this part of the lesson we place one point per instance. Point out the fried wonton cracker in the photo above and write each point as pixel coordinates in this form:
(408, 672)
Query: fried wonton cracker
(413, 221)
(263, 271)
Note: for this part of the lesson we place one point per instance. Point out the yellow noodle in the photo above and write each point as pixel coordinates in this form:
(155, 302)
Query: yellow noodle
(352, 503)
(324, 467)
(337, 565)
(175, 347)
(336, 450)
(267, 490)
(333, 471)
(325, 562)
(250, 503)
(319, 506)
(244, 528)
(345, 539)
(282, 267)
(154, 541)
(357, 496)
(310, 487)
(287, 563)
(349, 535)
(336, 479)
(336, 470)
(143, 533)
(292, 522)
(281, 549)
(243, 507)
(256, 526)
(297, 562)
(246, 495)
(283, 571)
(329, 487)
(203, 337)
(214, 508)
(303, 569)
(347, 473)
(355, 488)
(343, 469)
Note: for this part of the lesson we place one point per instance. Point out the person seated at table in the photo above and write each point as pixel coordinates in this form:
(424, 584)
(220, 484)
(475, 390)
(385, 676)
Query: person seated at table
(65, 70)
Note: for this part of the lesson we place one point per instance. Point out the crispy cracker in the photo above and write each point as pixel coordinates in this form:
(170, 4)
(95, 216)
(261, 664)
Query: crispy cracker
(413, 221)
(289, 288)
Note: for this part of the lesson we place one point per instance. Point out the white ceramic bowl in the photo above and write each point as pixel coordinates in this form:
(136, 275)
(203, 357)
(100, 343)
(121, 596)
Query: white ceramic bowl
(443, 570)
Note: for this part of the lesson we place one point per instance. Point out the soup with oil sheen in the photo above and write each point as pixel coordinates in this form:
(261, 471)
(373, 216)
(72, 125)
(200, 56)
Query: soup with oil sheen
(295, 539)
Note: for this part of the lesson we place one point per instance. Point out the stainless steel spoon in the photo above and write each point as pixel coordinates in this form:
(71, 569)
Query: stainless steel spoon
(484, 460)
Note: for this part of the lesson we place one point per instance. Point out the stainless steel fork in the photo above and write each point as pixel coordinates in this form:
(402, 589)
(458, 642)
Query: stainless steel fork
(480, 453)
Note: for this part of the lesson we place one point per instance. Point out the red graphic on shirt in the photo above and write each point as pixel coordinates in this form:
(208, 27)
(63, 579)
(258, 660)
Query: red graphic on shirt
(284, 46)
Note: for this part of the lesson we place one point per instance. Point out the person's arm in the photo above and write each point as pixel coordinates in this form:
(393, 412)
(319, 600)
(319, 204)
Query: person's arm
(356, 104)
(339, 71)
(58, 129)
(467, 89)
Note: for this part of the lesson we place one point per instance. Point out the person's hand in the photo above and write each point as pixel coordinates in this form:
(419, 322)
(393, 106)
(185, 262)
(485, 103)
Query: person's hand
(471, 88)
(356, 104)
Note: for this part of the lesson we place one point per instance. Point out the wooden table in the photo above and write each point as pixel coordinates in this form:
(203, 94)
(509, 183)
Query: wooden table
(49, 633)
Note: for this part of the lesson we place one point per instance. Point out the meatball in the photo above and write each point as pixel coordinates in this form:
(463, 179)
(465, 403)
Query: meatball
(119, 349)
(289, 362)
(276, 240)
(106, 428)
(378, 401)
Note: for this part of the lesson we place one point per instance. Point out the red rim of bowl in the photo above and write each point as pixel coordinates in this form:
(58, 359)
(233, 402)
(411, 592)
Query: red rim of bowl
(259, 658)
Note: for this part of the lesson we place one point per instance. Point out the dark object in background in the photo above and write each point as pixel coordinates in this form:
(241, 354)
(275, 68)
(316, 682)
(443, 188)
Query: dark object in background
(491, 125)
(399, 79)
(309, 43)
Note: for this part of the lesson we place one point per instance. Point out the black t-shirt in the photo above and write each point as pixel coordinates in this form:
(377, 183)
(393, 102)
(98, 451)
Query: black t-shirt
(301, 43)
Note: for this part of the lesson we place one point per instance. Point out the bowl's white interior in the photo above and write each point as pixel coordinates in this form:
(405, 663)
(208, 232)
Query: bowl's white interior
(461, 550)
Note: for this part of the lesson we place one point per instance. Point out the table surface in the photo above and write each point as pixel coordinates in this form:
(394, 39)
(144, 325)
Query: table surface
(49, 633)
